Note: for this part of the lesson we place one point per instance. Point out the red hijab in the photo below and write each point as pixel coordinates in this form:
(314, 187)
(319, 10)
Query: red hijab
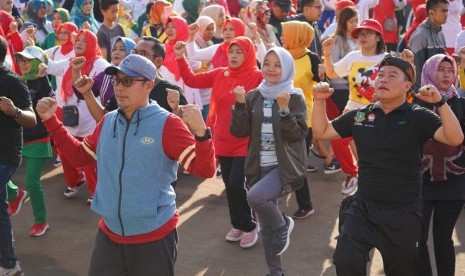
(91, 53)
(220, 59)
(70, 29)
(244, 75)
(6, 19)
(182, 34)
(420, 16)
(8, 53)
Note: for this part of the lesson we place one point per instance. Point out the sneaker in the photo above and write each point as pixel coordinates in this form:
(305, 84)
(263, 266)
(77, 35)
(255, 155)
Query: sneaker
(15, 271)
(311, 168)
(234, 235)
(282, 237)
(15, 205)
(350, 185)
(38, 230)
(218, 172)
(89, 200)
(70, 192)
(249, 239)
(303, 213)
(333, 167)
(57, 162)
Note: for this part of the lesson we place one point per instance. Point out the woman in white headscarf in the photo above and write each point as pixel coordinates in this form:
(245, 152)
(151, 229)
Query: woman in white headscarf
(274, 116)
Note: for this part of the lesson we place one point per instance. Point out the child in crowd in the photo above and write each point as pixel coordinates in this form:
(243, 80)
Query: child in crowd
(109, 29)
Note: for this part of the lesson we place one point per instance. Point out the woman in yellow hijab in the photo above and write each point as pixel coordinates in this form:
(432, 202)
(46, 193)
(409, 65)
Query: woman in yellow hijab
(296, 37)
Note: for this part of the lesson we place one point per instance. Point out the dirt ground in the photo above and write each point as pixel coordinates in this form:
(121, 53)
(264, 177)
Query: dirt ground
(65, 250)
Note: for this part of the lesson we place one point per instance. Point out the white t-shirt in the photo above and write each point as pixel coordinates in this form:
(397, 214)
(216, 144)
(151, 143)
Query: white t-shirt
(361, 71)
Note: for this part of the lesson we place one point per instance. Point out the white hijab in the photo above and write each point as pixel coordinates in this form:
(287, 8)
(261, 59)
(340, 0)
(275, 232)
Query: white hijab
(271, 91)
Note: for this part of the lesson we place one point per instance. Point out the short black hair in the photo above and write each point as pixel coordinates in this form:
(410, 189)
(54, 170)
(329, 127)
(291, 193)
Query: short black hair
(158, 47)
(431, 4)
(3, 49)
(106, 4)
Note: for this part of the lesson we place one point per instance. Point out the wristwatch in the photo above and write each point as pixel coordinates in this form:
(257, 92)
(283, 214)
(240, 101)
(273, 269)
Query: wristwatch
(208, 135)
(17, 113)
(441, 102)
(284, 112)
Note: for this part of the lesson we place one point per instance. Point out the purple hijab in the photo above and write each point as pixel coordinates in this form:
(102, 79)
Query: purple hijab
(429, 74)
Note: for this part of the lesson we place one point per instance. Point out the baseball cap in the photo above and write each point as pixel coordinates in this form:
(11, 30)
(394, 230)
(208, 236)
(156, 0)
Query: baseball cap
(368, 24)
(285, 5)
(32, 52)
(405, 66)
(134, 66)
(339, 5)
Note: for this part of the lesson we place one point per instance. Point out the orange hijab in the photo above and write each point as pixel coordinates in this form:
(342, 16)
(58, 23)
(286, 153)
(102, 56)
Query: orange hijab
(182, 33)
(298, 35)
(157, 10)
(70, 29)
(91, 53)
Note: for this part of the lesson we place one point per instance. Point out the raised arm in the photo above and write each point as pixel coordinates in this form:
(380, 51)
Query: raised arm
(84, 86)
(321, 126)
(240, 120)
(450, 133)
(328, 45)
(77, 152)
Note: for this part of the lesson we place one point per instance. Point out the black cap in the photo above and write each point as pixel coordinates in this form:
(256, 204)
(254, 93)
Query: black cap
(406, 67)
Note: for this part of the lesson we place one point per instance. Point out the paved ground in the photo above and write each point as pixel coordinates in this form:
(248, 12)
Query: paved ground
(66, 248)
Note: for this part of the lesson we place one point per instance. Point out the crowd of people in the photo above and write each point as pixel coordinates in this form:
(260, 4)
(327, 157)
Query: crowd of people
(244, 89)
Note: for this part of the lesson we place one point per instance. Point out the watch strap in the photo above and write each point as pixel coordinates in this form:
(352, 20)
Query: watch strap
(441, 102)
(208, 135)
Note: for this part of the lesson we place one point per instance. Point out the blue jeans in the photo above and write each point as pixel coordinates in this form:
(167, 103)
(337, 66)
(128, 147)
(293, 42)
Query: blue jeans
(7, 254)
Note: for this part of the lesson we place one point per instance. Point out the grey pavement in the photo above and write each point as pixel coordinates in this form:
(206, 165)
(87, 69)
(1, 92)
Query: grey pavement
(65, 250)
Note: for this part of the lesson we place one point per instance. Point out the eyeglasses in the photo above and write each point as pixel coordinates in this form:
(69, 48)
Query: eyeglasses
(126, 82)
(22, 60)
(141, 53)
(365, 34)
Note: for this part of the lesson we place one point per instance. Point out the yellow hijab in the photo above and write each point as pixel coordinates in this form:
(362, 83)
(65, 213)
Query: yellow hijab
(298, 36)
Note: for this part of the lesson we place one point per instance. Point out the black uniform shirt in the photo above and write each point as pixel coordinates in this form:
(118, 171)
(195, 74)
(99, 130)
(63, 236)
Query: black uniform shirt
(389, 147)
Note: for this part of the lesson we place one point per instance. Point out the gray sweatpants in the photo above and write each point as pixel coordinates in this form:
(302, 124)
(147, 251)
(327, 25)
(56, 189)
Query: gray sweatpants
(263, 198)
(114, 259)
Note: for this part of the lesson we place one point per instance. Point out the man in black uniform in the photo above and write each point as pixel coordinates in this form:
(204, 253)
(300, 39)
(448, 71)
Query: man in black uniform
(385, 212)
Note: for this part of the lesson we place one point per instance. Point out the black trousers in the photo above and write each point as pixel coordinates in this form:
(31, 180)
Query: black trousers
(395, 232)
(153, 258)
(232, 172)
(444, 214)
(302, 195)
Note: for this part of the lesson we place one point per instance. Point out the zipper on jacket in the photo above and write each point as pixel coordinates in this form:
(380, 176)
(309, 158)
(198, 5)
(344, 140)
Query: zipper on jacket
(119, 178)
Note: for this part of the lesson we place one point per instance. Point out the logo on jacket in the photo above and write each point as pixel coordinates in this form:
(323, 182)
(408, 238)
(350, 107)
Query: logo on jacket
(359, 117)
(147, 140)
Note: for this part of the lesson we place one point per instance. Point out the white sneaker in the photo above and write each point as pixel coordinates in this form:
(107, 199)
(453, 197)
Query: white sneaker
(15, 271)
(350, 185)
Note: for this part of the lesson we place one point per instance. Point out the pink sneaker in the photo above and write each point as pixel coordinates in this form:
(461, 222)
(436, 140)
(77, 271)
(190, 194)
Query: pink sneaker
(234, 235)
(249, 239)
